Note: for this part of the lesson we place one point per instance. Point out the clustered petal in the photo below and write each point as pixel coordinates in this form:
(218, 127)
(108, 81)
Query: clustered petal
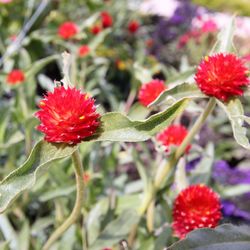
(107, 20)
(133, 26)
(83, 50)
(150, 91)
(173, 136)
(96, 29)
(197, 206)
(222, 76)
(67, 115)
(67, 30)
(16, 76)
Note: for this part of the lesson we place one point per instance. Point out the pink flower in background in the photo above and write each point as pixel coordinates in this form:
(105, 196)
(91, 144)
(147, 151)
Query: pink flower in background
(209, 26)
(5, 1)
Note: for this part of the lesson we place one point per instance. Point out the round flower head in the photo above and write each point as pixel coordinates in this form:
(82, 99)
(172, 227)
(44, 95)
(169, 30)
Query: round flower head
(67, 115)
(173, 136)
(67, 30)
(195, 207)
(83, 50)
(133, 26)
(222, 76)
(96, 29)
(150, 91)
(16, 76)
(107, 20)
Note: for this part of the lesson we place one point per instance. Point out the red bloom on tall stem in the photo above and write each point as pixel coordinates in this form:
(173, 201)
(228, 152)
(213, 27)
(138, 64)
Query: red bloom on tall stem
(133, 26)
(150, 91)
(222, 76)
(107, 20)
(173, 136)
(16, 76)
(197, 206)
(96, 29)
(67, 30)
(67, 115)
(83, 50)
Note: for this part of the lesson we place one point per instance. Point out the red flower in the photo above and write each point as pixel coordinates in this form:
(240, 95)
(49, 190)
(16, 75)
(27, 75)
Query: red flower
(222, 76)
(133, 26)
(107, 20)
(150, 91)
(83, 50)
(16, 76)
(173, 136)
(195, 207)
(67, 115)
(96, 29)
(67, 30)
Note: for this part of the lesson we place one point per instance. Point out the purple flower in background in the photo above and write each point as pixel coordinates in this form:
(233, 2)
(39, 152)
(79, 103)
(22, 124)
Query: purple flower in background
(238, 206)
(226, 175)
(168, 29)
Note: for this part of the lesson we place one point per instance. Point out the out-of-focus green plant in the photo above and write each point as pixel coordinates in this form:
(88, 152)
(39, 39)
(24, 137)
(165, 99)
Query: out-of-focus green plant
(240, 7)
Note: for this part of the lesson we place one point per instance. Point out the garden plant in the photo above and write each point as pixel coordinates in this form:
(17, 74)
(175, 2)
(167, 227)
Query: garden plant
(114, 136)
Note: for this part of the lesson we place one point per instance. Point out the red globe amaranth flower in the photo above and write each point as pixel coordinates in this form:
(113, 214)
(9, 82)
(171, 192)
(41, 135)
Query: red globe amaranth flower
(107, 20)
(195, 207)
(83, 50)
(67, 30)
(150, 91)
(133, 26)
(173, 136)
(67, 115)
(222, 76)
(16, 76)
(96, 29)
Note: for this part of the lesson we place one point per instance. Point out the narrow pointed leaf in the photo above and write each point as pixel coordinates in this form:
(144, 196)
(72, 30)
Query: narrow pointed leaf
(225, 38)
(118, 127)
(116, 230)
(235, 113)
(179, 92)
(26, 175)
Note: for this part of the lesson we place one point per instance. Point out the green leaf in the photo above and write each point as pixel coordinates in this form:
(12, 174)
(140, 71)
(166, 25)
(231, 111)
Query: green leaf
(235, 190)
(118, 127)
(4, 245)
(98, 40)
(14, 139)
(58, 192)
(24, 237)
(40, 64)
(179, 92)
(235, 113)
(26, 175)
(94, 219)
(202, 172)
(225, 38)
(116, 230)
(224, 237)
(181, 180)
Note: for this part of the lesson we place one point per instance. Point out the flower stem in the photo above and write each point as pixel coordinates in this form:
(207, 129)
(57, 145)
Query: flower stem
(78, 203)
(162, 172)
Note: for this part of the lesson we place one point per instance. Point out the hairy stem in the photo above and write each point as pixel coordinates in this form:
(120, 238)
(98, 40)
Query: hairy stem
(78, 203)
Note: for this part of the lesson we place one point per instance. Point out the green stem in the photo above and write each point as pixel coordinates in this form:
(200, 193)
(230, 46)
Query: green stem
(78, 204)
(150, 216)
(162, 173)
